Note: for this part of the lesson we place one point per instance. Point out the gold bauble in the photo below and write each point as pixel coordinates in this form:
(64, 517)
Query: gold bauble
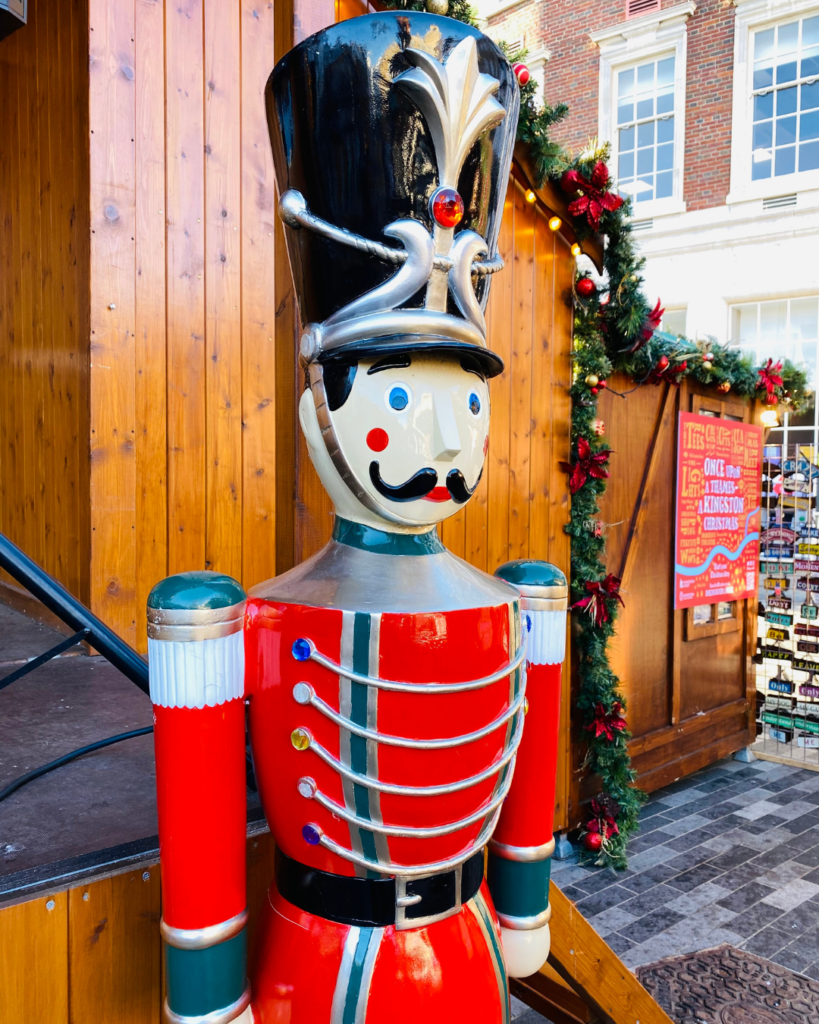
(592, 380)
(438, 7)
(707, 364)
(724, 387)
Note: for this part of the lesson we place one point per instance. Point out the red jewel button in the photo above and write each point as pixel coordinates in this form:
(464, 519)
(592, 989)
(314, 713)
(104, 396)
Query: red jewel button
(447, 207)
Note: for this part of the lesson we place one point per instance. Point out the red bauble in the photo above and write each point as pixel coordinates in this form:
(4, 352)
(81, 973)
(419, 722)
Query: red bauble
(522, 73)
(594, 390)
(585, 287)
(447, 207)
(602, 384)
(724, 387)
(662, 363)
(593, 841)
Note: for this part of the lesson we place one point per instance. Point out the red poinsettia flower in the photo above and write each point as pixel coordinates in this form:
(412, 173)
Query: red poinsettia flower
(770, 378)
(595, 195)
(599, 594)
(672, 374)
(586, 465)
(607, 723)
(603, 820)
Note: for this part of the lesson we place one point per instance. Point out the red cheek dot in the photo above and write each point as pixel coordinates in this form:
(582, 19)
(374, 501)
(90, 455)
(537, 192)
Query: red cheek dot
(378, 439)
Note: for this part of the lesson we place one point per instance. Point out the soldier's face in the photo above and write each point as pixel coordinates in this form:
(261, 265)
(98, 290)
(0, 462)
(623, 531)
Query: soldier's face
(415, 431)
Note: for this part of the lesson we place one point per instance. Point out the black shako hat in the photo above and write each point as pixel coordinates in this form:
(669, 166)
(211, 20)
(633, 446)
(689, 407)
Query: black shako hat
(392, 139)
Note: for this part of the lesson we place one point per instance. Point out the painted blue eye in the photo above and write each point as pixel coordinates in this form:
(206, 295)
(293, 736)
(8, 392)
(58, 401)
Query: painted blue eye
(398, 398)
(474, 404)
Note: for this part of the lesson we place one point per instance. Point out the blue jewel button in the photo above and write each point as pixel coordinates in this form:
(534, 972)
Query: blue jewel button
(301, 650)
(528, 623)
(311, 835)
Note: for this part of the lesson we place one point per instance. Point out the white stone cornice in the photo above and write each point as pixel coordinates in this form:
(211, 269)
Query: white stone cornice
(649, 24)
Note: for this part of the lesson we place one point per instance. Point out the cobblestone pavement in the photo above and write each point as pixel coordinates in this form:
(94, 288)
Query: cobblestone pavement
(730, 854)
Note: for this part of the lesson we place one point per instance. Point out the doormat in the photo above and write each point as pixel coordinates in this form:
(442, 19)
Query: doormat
(729, 986)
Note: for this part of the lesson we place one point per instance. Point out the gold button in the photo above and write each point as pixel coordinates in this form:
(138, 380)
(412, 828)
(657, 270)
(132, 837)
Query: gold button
(300, 738)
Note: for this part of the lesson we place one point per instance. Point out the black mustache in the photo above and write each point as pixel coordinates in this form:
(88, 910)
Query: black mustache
(418, 486)
(421, 483)
(456, 485)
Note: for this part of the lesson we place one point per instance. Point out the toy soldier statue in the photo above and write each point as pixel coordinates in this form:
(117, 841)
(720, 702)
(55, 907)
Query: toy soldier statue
(386, 680)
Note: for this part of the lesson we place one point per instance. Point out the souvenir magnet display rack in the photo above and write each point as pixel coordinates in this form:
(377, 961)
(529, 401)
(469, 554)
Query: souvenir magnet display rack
(787, 657)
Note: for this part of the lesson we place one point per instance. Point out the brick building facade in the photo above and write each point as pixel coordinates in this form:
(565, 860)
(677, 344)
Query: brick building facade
(712, 111)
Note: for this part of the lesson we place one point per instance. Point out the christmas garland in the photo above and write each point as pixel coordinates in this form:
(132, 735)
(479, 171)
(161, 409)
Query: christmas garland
(615, 329)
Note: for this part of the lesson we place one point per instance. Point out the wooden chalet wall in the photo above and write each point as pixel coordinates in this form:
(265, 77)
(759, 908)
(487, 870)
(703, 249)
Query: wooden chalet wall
(690, 689)
(44, 282)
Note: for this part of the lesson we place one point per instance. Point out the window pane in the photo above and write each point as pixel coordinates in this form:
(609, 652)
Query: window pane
(785, 161)
(763, 106)
(645, 78)
(788, 37)
(665, 185)
(665, 130)
(625, 82)
(665, 71)
(805, 352)
(665, 103)
(725, 610)
(763, 136)
(810, 96)
(626, 138)
(703, 614)
(674, 321)
(625, 113)
(763, 77)
(645, 108)
(786, 72)
(626, 168)
(786, 101)
(744, 325)
(665, 157)
(647, 191)
(810, 64)
(785, 132)
(645, 134)
(809, 125)
(763, 44)
(809, 156)
(772, 321)
(645, 161)
(804, 319)
(761, 168)
(810, 32)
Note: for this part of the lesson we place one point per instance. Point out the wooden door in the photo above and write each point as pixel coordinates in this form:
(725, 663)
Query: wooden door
(687, 681)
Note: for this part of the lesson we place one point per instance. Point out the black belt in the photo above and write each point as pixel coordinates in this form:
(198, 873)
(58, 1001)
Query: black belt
(374, 902)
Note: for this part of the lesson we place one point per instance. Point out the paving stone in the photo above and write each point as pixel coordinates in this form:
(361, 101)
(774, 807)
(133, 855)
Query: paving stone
(689, 880)
(645, 880)
(720, 811)
(812, 972)
(802, 824)
(808, 945)
(792, 894)
(804, 841)
(795, 809)
(646, 842)
(601, 901)
(791, 958)
(765, 841)
(756, 810)
(752, 795)
(788, 796)
(714, 786)
(613, 920)
(656, 948)
(651, 900)
(720, 844)
(778, 855)
(601, 879)
(707, 894)
(735, 879)
(619, 943)
(809, 857)
(650, 924)
(746, 896)
(755, 918)
(653, 808)
(573, 893)
(732, 858)
(649, 859)
(688, 840)
(691, 858)
(682, 825)
(683, 796)
(518, 1007)
(783, 874)
(767, 942)
(658, 821)
(802, 919)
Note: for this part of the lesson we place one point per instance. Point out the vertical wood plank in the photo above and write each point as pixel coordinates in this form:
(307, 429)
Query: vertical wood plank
(223, 268)
(499, 337)
(542, 397)
(113, 271)
(258, 301)
(521, 373)
(7, 160)
(453, 533)
(185, 206)
(35, 939)
(115, 949)
(150, 355)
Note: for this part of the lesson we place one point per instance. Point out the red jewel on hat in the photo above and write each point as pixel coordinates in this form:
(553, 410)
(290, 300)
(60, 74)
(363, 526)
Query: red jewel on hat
(447, 207)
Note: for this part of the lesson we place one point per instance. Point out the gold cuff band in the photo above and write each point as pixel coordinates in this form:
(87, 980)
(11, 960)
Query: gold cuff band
(203, 938)
(223, 1016)
(524, 854)
(561, 591)
(549, 604)
(525, 924)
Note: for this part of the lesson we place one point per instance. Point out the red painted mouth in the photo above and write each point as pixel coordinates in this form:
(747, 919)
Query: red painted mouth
(438, 494)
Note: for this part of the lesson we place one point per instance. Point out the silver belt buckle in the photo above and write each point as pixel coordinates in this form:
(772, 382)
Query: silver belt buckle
(403, 900)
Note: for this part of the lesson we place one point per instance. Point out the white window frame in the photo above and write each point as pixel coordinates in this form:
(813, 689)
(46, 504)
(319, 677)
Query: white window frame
(752, 16)
(655, 36)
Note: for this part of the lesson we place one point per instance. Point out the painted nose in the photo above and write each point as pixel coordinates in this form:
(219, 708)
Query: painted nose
(446, 441)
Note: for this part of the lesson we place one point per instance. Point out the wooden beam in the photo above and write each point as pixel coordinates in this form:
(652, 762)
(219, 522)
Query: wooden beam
(595, 971)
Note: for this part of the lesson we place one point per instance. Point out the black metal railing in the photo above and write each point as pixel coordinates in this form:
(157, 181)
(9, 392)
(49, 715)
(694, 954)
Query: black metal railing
(87, 627)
